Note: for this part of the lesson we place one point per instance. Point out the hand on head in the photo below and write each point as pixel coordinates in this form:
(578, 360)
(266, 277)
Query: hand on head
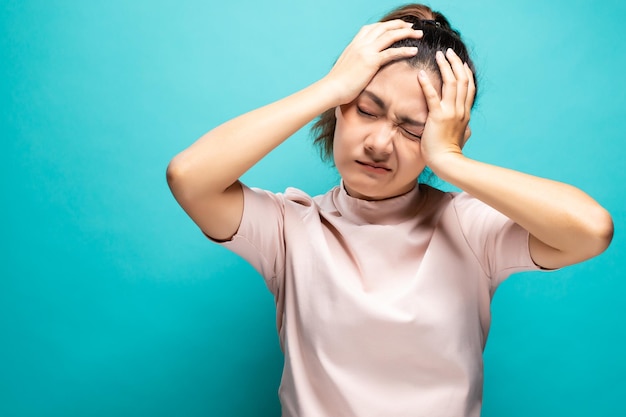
(394, 39)
(367, 53)
(447, 128)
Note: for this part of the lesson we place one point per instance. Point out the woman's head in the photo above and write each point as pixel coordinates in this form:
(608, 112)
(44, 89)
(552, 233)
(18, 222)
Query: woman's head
(377, 139)
(438, 36)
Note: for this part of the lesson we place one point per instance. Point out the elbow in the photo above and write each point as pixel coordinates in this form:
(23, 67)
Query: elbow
(188, 183)
(172, 173)
(175, 174)
(601, 231)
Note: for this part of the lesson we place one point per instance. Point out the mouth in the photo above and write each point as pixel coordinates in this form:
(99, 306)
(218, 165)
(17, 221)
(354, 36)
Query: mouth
(374, 167)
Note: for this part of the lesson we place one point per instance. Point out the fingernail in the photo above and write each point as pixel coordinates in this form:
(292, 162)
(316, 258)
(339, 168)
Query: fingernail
(422, 74)
(451, 51)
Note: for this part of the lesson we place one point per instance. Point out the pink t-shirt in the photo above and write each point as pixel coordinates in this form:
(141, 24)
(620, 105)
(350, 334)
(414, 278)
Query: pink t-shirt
(382, 306)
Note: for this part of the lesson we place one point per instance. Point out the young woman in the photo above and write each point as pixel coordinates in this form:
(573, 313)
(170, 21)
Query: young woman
(383, 284)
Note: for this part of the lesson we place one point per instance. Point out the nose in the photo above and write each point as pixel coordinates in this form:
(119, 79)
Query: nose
(379, 143)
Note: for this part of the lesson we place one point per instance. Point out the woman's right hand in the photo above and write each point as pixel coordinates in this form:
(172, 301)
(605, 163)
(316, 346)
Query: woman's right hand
(366, 54)
(204, 177)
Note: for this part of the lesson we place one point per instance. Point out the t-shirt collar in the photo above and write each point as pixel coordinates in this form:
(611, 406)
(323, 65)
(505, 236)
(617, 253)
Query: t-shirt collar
(392, 210)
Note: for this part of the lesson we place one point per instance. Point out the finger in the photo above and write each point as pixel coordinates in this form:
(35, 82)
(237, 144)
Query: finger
(462, 82)
(386, 39)
(399, 27)
(448, 89)
(374, 30)
(381, 27)
(392, 54)
(433, 101)
(471, 88)
(366, 30)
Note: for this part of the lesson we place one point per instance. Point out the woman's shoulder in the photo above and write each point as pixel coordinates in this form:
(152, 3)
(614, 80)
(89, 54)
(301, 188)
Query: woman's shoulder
(458, 199)
(299, 197)
(291, 196)
(461, 205)
(433, 196)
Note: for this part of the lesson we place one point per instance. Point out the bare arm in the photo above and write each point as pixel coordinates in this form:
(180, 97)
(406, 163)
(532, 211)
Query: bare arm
(204, 177)
(566, 225)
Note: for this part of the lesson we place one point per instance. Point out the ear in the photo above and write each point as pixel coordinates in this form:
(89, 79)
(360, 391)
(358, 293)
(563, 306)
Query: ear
(339, 110)
(466, 135)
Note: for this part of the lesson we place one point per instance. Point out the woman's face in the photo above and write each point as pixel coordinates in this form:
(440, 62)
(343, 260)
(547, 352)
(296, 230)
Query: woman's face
(376, 145)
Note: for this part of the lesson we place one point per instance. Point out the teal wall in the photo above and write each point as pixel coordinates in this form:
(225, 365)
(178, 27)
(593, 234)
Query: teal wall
(113, 304)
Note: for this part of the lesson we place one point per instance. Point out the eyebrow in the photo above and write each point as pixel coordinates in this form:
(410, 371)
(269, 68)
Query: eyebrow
(380, 103)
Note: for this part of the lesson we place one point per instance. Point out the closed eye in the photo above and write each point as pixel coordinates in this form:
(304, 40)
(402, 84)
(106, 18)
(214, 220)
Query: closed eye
(363, 112)
(412, 135)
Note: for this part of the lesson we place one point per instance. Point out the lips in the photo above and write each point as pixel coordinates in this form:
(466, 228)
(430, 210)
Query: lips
(374, 166)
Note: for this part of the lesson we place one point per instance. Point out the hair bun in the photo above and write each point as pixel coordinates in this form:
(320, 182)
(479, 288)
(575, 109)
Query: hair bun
(438, 21)
(443, 22)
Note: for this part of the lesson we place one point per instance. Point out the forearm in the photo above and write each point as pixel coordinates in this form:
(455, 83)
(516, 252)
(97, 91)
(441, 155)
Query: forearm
(565, 224)
(221, 156)
(558, 215)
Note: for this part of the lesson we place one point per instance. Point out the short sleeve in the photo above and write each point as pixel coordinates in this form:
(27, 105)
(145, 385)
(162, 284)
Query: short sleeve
(499, 244)
(260, 238)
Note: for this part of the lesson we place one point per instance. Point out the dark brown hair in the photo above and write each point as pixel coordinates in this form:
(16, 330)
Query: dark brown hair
(438, 36)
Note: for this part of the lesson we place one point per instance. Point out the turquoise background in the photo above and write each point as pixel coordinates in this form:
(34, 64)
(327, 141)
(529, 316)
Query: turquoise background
(111, 301)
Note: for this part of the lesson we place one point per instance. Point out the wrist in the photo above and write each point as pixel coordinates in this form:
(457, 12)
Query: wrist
(445, 164)
(336, 91)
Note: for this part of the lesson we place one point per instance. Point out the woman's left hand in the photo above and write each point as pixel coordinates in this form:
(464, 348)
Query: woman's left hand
(566, 225)
(447, 128)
